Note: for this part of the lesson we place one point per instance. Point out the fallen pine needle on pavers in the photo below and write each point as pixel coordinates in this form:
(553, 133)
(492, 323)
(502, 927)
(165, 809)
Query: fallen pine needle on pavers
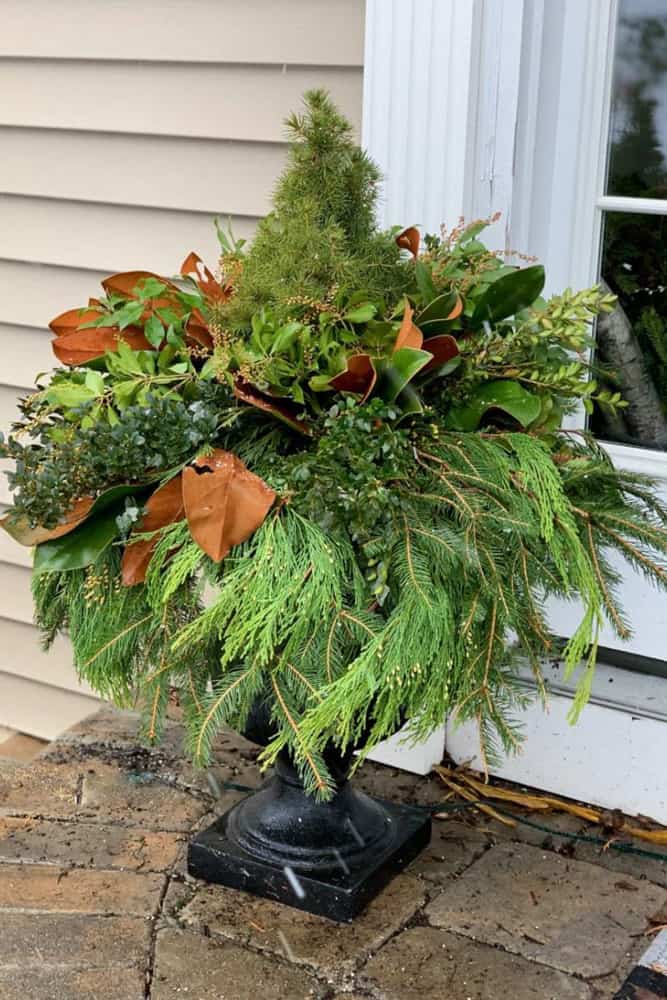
(479, 792)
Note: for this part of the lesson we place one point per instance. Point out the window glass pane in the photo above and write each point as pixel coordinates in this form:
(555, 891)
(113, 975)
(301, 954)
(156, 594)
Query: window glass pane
(638, 137)
(632, 341)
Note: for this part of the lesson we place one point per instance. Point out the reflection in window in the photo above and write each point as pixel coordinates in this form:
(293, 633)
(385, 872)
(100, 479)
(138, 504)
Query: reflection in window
(638, 147)
(632, 341)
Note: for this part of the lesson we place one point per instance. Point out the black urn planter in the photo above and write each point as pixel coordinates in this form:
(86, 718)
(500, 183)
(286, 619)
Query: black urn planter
(329, 858)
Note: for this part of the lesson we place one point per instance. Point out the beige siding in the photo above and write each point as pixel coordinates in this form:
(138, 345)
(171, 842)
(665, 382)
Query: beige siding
(124, 129)
(214, 102)
(296, 32)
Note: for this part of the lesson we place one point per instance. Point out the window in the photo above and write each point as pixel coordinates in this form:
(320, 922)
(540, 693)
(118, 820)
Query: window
(632, 341)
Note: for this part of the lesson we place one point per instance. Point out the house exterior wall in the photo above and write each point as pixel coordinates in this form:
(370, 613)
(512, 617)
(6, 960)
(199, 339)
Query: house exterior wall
(124, 128)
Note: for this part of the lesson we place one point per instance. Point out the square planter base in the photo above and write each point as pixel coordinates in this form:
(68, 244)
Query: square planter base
(215, 857)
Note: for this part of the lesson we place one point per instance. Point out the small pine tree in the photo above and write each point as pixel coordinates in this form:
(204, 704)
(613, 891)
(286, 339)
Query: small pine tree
(321, 240)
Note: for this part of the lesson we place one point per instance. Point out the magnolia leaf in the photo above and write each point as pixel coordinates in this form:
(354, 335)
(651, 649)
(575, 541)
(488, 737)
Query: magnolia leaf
(359, 376)
(504, 395)
(248, 393)
(438, 315)
(409, 335)
(509, 294)
(21, 531)
(70, 321)
(443, 349)
(80, 548)
(395, 374)
(193, 267)
(409, 239)
(163, 507)
(126, 282)
(80, 346)
(409, 402)
(224, 502)
(197, 332)
(81, 510)
(423, 275)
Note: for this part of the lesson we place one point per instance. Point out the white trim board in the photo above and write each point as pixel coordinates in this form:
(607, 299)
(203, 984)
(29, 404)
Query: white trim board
(419, 758)
(421, 86)
(612, 757)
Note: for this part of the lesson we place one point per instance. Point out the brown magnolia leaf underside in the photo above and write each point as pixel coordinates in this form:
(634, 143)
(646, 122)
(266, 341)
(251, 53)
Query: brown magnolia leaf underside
(21, 531)
(443, 348)
(194, 267)
(197, 332)
(79, 346)
(125, 282)
(248, 393)
(409, 240)
(456, 310)
(163, 507)
(224, 502)
(70, 321)
(409, 335)
(359, 377)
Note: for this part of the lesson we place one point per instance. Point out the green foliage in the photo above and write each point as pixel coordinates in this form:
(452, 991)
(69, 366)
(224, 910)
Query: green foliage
(64, 460)
(509, 295)
(347, 482)
(122, 644)
(406, 414)
(508, 396)
(321, 238)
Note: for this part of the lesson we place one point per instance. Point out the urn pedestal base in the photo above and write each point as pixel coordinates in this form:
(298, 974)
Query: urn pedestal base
(329, 858)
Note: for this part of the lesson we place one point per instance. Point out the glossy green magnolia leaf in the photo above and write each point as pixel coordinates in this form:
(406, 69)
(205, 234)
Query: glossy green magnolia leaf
(395, 374)
(409, 402)
(81, 547)
(509, 294)
(438, 315)
(427, 289)
(111, 496)
(442, 371)
(505, 395)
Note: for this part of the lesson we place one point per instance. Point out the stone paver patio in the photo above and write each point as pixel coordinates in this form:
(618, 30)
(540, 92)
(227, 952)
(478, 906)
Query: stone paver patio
(95, 900)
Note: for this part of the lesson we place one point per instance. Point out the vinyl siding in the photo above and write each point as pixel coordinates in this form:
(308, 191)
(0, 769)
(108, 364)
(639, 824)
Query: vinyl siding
(124, 129)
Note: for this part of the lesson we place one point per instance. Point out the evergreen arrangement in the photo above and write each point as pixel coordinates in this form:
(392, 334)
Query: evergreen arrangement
(332, 477)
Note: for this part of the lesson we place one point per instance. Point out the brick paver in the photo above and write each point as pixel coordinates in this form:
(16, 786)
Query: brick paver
(95, 900)
(304, 938)
(568, 914)
(429, 962)
(75, 844)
